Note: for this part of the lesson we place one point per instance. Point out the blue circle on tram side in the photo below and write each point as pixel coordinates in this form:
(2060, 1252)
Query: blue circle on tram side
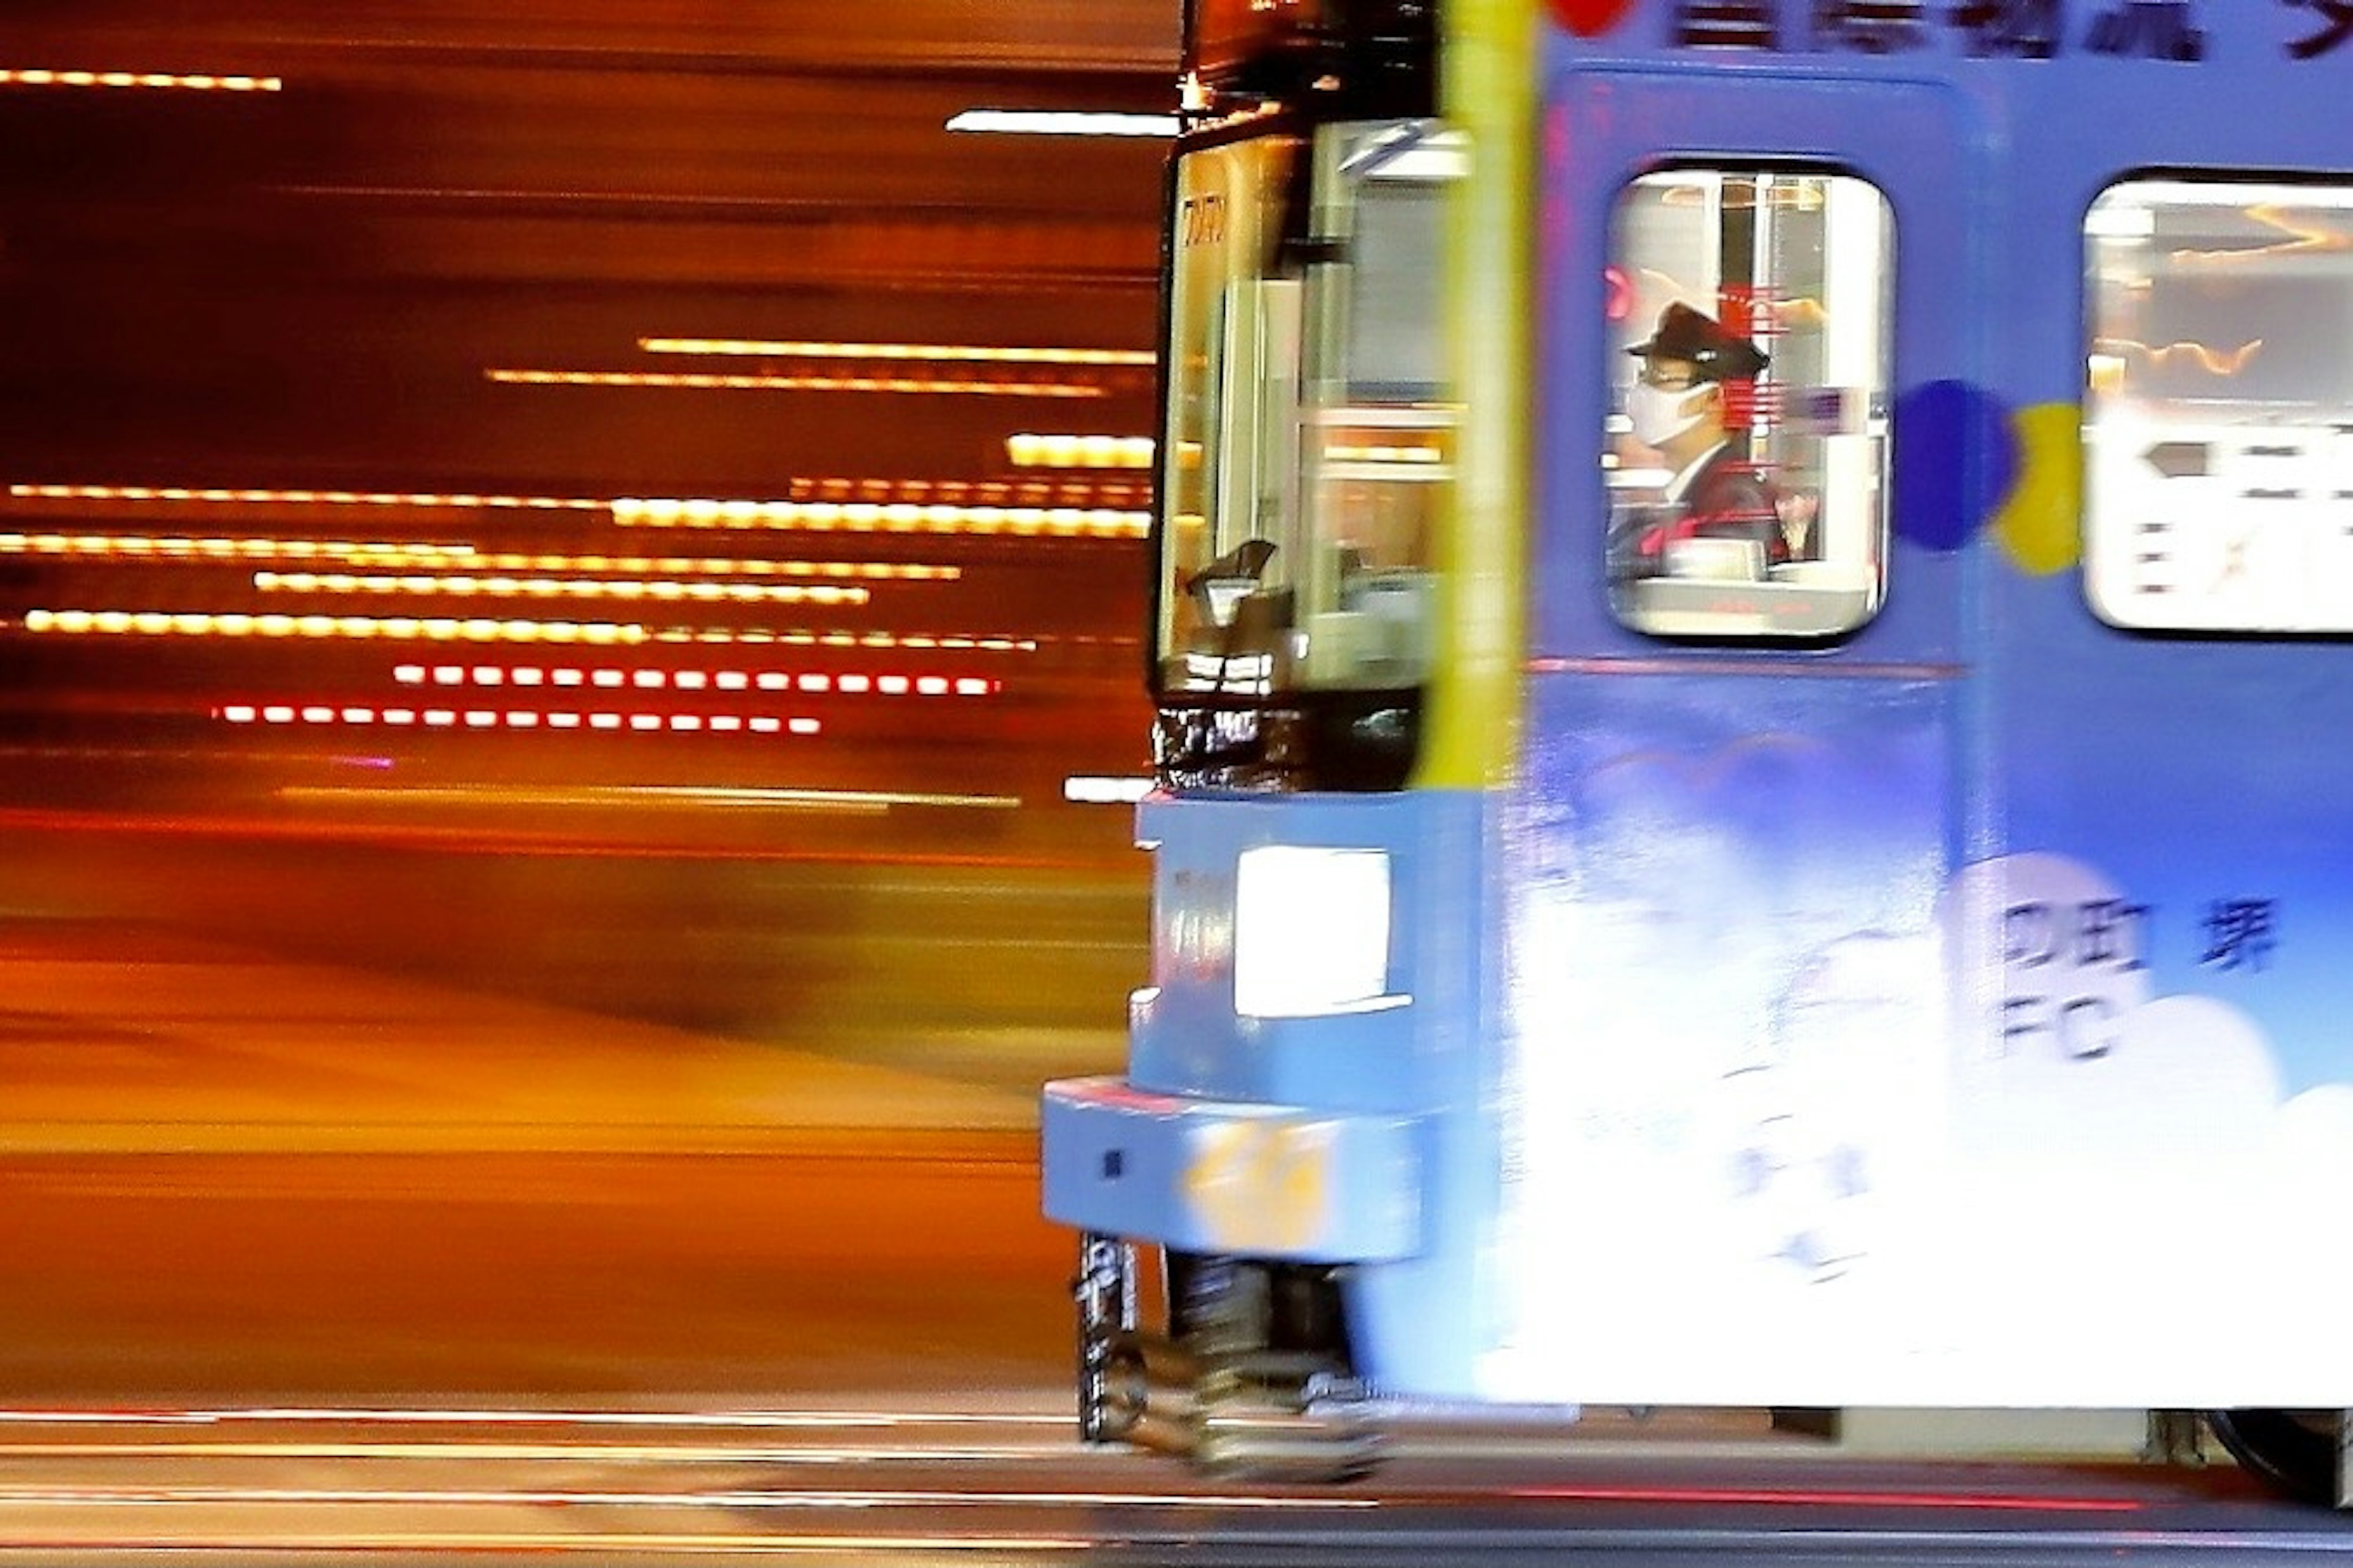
(1955, 461)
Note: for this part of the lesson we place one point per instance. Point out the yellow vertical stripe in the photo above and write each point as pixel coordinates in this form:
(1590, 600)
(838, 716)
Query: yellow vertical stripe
(1487, 88)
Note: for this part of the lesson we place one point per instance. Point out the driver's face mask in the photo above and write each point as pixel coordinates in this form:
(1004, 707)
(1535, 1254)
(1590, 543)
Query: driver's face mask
(1660, 414)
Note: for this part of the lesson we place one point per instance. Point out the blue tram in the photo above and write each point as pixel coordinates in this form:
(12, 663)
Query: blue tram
(1756, 721)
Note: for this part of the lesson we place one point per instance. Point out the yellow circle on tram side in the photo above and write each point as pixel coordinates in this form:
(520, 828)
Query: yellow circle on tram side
(2041, 525)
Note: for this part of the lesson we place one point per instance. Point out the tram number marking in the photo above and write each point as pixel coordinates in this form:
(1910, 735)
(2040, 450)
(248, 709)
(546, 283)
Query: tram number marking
(1201, 220)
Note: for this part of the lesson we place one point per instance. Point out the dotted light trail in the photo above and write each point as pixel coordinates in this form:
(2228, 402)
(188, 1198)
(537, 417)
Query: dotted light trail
(814, 682)
(602, 720)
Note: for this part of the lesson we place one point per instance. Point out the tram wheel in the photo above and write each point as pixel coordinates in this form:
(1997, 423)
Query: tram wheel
(2294, 1451)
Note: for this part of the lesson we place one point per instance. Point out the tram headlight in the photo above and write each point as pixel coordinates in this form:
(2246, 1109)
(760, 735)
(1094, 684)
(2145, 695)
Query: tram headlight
(1311, 932)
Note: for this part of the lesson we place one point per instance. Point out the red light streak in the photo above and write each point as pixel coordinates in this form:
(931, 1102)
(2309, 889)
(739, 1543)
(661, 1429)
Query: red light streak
(1809, 1496)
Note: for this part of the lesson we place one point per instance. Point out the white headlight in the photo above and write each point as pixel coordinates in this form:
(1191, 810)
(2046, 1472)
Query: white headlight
(1311, 932)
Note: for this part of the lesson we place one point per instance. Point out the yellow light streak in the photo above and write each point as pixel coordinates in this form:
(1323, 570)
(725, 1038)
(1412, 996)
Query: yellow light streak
(873, 516)
(164, 80)
(699, 381)
(149, 547)
(392, 628)
(50, 621)
(826, 505)
(777, 347)
(1030, 450)
(180, 495)
(560, 588)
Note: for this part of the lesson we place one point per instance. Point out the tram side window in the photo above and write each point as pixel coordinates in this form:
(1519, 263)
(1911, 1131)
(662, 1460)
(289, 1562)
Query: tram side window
(1746, 462)
(2218, 431)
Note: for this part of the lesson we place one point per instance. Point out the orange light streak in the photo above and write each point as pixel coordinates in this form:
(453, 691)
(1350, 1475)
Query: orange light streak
(153, 81)
(840, 505)
(483, 629)
(560, 588)
(149, 547)
(696, 381)
(877, 517)
(770, 347)
(1030, 450)
(177, 547)
(394, 628)
(178, 495)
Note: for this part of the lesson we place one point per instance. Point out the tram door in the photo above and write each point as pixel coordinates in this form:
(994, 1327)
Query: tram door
(1745, 773)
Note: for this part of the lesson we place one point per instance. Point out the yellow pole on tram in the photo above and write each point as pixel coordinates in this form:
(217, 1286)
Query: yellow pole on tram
(1486, 89)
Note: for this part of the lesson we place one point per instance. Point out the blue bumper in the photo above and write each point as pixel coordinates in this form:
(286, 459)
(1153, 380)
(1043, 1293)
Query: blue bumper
(1222, 1176)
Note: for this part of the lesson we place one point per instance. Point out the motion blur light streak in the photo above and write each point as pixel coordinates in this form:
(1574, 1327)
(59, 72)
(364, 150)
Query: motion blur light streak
(559, 588)
(787, 349)
(1105, 791)
(876, 517)
(166, 80)
(148, 547)
(396, 628)
(843, 502)
(693, 381)
(635, 722)
(992, 644)
(34, 1496)
(1059, 122)
(862, 802)
(1800, 1497)
(856, 682)
(1028, 450)
(175, 495)
(902, 515)
(510, 1415)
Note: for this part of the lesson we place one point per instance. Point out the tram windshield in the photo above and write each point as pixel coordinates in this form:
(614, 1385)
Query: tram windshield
(1307, 433)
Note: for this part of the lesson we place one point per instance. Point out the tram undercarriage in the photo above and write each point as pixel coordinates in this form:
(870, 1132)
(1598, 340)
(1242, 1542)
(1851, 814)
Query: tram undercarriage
(1251, 1378)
